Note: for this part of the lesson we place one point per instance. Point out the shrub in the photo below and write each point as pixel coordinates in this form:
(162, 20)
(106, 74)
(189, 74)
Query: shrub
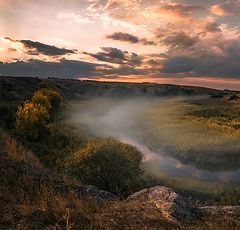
(7, 114)
(106, 163)
(44, 84)
(31, 120)
(55, 99)
(39, 98)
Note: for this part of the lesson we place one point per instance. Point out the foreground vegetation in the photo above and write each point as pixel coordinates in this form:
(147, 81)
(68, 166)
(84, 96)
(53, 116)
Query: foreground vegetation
(106, 163)
(34, 197)
(43, 159)
(103, 162)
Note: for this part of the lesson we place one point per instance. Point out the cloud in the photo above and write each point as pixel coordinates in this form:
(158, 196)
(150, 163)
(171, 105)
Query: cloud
(178, 65)
(62, 69)
(36, 48)
(146, 42)
(224, 62)
(69, 69)
(177, 10)
(116, 56)
(76, 17)
(212, 27)
(190, 39)
(179, 40)
(12, 50)
(125, 37)
(230, 7)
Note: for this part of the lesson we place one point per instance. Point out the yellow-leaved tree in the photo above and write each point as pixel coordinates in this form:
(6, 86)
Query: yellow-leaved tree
(31, 120)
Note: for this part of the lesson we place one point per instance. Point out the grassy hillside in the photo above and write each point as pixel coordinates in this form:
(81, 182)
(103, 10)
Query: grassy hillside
(33, 197)
(15, 90)
(19, 88)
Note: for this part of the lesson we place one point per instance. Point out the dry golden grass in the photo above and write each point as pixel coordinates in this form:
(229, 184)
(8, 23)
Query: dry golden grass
(18, 152)
(32, 197)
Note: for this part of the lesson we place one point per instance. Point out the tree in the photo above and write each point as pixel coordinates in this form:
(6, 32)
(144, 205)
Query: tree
(106, 163)
(44, 84)
(54, 97)
(31, 120)
(39, 98)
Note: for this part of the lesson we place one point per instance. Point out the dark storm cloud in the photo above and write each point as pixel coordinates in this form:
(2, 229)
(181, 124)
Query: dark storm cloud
(146, 42)
(41, 48)
(109, 54)
(125, 37)
(212, 27)
(77, 69)
(116, 56)
(36, 48)
(179, 40)
(207, 64)
(70, 69)
(64, 68)
(179, 65)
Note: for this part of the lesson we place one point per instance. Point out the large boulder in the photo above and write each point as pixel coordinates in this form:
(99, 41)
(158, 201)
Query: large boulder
(172, 206)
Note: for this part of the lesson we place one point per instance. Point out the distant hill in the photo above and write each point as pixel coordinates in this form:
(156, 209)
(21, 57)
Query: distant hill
(22, 88)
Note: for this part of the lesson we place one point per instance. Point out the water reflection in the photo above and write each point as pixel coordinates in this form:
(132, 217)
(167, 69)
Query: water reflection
(156, 164)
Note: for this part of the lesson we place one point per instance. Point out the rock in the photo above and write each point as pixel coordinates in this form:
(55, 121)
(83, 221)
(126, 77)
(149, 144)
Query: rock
(172, 206)
(100, 196)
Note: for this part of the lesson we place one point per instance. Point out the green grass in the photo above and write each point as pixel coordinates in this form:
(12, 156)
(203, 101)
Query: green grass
(199, 140)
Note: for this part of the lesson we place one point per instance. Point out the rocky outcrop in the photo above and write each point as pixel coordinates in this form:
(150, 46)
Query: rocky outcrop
(99, 195)
(175, 208)
(94, 193)
(172, 206)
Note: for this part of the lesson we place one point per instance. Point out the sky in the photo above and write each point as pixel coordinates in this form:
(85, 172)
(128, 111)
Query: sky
(188, 42)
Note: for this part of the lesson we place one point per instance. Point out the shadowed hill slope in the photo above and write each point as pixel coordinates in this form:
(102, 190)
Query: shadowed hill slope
(32, 197)
(21, 88)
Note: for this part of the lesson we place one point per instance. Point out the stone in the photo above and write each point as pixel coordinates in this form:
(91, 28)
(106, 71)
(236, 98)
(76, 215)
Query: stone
(171, 205)
(100, 196)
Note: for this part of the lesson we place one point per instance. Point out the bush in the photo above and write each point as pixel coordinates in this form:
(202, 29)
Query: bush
(39, 98)
(107, 164)
(62, 141)
(31, 120)
(55, 99)
(7, 114)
